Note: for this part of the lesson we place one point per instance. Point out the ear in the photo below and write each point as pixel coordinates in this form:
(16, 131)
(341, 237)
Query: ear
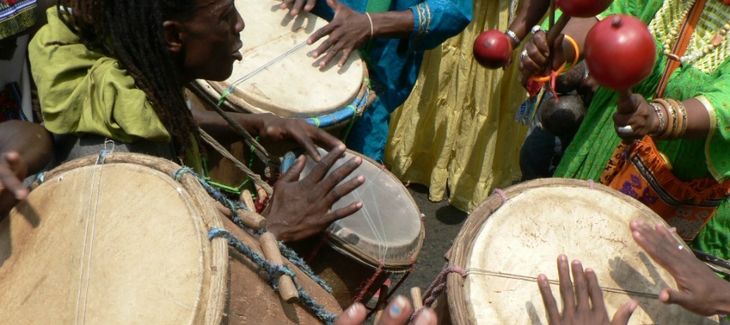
(174, 35)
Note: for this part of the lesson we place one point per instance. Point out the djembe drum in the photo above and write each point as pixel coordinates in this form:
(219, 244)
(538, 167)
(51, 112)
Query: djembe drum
(127, 238)
(518, 233)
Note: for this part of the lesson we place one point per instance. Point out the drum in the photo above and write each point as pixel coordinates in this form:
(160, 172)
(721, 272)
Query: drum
(277, 76)
(118, 239)
(518, 233)
(381, 241)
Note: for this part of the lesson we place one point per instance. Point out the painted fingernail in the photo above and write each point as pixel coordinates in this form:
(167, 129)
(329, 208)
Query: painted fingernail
(361, 179)
(358, 160)
(354, 310)
(397, 307)
(358, 205)
(562, 258)
(424, 317)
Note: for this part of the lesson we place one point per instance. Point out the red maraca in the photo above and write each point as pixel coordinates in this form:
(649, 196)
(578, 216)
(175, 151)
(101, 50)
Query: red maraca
(620, 52)
(492, 49)
(582, 8)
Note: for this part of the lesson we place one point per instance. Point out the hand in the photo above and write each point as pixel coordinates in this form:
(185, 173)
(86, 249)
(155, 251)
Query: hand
(534, 58)
(700, 290)
(347, 31)
(295, 6)
(301, 208)
(398, 312)
(634, 117)
(12, 170)
(583, 304)
(278, 129)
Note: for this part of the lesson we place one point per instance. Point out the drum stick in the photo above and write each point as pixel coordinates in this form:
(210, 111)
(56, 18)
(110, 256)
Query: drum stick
(287, 290)
(247, 199)
(417, 298)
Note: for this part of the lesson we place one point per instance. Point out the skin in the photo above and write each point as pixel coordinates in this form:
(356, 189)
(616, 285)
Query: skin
(350, 30)
(205, 46)
(398, 312)
(699, 289)
(529, 13)
(25, 148)
(633, 109)
(582, 299)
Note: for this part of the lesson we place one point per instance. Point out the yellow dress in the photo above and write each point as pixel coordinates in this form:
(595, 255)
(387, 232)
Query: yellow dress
(456, 132)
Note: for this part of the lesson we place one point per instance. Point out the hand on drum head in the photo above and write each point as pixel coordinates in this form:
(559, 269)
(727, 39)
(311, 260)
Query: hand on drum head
(302, 208)
(347, 31)
(700, 290)
(398, 312)
(296, 6)
(12, 170)
(582, 303)
(307, 136)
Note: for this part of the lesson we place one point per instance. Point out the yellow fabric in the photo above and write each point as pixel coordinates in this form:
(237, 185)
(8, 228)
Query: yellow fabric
(456, 132)
(82, 91)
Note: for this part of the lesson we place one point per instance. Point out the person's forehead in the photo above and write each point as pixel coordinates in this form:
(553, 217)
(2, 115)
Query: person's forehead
(213, 5)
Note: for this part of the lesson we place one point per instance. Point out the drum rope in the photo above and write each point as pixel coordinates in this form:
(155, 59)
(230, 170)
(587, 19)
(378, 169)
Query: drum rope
(90, 212)
(273, 272)
(369, 283)
(438, 285)
(511, 276)
(241, 166)
(233, 206)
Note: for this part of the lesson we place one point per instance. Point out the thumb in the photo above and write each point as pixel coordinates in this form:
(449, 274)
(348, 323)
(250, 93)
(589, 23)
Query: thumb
(624, 312)
(671, 296)
(558, 54)
(292, 175)
(332, 4)
(355, 315)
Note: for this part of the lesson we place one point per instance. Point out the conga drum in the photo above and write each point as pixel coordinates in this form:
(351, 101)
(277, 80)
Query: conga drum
(518, 233)
(277, 76)
(381, 241)
(127, 238)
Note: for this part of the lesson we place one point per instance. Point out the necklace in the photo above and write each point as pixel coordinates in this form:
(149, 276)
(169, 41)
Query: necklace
(702, 46)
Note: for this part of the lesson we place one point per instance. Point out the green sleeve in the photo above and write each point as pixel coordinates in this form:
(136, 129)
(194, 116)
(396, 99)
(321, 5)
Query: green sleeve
(642, 9)
(717, 101)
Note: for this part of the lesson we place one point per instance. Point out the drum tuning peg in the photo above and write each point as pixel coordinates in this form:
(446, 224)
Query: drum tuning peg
(287, 290)
(247, 199)
(417, 298)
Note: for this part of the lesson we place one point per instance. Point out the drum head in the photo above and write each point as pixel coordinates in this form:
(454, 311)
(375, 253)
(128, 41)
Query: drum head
(276, 74)
(111, 244)
(503, 252)
(388, 229)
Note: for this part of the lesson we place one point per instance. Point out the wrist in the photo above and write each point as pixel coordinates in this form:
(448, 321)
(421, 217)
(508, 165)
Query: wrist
(721, 297)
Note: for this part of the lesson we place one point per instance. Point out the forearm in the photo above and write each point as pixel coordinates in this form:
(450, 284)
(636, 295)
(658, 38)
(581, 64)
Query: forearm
(218, 127)
(31, 141)
(578, 29)
(395, 24)
(529, 13)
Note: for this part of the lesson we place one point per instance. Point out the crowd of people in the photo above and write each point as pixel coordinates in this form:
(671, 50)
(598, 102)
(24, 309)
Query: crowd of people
(117, 70)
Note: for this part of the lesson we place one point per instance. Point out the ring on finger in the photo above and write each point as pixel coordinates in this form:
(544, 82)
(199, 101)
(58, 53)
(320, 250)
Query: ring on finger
(523, 54)
(535, 29)
(625, 130)
(680, 247)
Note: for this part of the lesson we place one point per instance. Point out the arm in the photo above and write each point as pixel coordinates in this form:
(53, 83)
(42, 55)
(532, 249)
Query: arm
(529, 13)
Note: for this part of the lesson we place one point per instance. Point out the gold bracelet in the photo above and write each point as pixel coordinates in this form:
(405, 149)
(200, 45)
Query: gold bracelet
(682, 117)
(659, 110)
(671, 118)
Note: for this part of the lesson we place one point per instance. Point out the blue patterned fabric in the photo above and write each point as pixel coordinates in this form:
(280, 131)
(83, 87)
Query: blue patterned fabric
(394, 63)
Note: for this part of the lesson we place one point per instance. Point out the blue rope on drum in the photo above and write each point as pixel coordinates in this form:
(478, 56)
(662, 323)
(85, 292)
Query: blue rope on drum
(343, 114)
(273, 271)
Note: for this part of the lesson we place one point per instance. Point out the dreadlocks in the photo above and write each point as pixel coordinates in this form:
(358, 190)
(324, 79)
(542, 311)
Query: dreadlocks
(131, 31)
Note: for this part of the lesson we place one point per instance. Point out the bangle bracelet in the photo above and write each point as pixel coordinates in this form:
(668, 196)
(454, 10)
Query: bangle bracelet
(576, 48)
(372, 29)
(658, 109)
(513, 36)
(671, 118)
(682, 129)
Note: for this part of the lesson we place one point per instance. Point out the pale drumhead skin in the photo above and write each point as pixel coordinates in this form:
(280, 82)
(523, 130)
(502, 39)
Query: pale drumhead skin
(504, 251)
(387, 229)
(293, 86)
(113, 244)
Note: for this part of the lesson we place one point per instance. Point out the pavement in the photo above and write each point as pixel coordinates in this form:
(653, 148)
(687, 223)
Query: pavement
(442, 223)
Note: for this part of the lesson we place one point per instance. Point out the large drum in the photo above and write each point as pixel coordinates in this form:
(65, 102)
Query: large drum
(127, 242)
(277, 76)
(379, 242)
(517, 234)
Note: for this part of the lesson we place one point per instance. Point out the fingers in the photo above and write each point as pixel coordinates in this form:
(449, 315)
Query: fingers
(425, 316)
(594, 291)
(310, 5)
(343, 212)
(331, 55)
(551, 307)
(671, 296)
(398, 312)
(661, 249)
(566, 286)
(628, 102)
(324, 165)
(298, 4)
(304, 140)
(293, 174)
(624, 312)
(354, 315)
(322, 32)
(344, 189)
(324, 139)
(11, 175)
(345, 55)
(581, 287)
(331, 180)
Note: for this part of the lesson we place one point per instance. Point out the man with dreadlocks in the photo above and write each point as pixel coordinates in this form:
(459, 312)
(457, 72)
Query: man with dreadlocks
(116, 70)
